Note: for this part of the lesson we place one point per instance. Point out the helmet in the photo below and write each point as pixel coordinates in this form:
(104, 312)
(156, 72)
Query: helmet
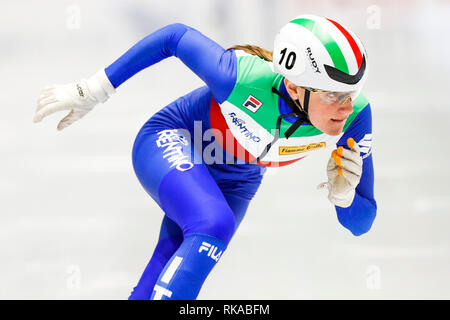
(319, 53)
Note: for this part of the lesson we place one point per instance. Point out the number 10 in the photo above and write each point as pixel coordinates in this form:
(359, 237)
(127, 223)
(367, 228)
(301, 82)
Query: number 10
(290, 60)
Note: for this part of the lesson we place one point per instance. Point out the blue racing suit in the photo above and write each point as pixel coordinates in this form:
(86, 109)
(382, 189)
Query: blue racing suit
(204, 203)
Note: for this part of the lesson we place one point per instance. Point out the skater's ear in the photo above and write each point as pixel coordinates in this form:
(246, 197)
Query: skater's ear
(293, 90)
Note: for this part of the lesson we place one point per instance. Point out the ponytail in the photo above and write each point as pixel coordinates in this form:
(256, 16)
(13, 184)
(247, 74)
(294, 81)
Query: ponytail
(255, 50)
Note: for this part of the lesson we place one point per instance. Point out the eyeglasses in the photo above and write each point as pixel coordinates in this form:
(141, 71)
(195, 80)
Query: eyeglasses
(329, 97)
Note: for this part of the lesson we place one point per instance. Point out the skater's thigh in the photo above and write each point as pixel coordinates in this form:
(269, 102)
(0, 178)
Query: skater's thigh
(170, 170)
(158, 151)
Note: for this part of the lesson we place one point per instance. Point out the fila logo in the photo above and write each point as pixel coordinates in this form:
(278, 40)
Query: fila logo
(252, 104)
(211, 250)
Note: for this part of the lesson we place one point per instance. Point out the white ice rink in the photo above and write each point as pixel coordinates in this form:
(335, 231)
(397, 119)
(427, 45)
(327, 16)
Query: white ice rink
(76, 224)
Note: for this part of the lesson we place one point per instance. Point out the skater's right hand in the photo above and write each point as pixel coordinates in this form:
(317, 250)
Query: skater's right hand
(79, 98)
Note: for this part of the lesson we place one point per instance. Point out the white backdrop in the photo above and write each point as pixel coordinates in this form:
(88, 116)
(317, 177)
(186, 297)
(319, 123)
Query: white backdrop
(76, 224)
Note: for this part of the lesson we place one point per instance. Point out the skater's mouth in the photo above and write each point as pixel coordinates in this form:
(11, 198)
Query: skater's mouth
(338, 120)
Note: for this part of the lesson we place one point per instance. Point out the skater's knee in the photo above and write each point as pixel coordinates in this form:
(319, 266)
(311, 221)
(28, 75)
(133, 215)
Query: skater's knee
(218, 223)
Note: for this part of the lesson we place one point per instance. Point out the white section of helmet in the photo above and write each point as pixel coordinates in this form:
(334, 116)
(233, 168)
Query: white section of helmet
(300, 56)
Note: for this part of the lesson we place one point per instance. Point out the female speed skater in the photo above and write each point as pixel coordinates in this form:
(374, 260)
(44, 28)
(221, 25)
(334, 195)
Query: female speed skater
(202, 157)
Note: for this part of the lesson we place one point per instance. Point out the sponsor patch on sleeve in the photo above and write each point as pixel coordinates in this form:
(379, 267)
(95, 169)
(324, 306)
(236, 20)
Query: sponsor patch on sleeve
(365, 145)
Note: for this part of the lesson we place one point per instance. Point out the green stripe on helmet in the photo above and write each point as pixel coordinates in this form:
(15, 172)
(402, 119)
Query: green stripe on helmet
(327, 40)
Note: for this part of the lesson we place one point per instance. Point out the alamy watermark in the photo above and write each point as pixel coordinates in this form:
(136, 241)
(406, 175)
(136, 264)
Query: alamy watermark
(373, 280)
(73, 20)
(73, 280)
(212, 146)
(373, 21)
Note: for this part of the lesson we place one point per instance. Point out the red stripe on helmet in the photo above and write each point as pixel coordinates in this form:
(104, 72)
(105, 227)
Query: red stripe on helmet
(351, 41)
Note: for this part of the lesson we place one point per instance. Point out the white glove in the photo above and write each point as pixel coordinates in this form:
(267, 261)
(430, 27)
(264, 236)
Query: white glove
(79, 97)
(344, 172)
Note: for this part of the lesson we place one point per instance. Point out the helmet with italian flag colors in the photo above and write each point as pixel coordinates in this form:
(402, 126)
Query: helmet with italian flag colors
(319, 53)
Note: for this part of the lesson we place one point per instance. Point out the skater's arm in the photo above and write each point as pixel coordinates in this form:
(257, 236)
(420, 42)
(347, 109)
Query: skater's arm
(212, 63)
(215, 66)
(359, 216)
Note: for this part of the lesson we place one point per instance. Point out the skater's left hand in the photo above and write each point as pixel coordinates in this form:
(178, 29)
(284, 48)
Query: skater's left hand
(344, 172)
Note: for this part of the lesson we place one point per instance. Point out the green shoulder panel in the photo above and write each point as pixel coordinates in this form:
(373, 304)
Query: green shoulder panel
(256, 78)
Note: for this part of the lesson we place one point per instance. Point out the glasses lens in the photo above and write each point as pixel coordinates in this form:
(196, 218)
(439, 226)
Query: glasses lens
(337, 97)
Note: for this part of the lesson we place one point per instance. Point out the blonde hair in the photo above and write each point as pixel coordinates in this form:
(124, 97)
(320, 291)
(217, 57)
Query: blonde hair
(255, 50)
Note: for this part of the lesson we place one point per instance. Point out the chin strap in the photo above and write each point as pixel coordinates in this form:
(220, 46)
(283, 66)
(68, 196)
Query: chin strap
(295, 106)
(297, 111)
(305, 103)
